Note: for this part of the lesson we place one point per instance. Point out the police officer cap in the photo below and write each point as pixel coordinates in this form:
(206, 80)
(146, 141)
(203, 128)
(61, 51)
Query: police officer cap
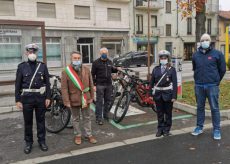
(32, 46)
(164, 53)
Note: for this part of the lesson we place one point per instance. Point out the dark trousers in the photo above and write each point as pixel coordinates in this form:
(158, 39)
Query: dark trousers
(103, 100)
(164, 114)
(40, 110)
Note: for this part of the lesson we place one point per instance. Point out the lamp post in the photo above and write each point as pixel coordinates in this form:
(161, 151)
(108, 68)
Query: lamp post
(148, 76)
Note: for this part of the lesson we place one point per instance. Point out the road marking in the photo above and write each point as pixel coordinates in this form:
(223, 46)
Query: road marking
(122, 127)
(131, 111)
(110, 145)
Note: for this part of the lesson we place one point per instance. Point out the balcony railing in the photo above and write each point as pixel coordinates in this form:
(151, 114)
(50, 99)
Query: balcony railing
(212, 8)
(153, 5)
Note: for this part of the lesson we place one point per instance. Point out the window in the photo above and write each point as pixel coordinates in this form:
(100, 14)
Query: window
(114, 14)
(82, 12)
(189, 26)
(209, 26)
(7, 8)
(168, 29)
(139, 24)
(168, 7)
(153, 21)
(168, 46)
(53, 48)
(46, 10)
(10, 49)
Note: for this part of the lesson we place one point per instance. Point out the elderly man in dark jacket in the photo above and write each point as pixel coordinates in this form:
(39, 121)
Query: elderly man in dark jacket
(209, 68)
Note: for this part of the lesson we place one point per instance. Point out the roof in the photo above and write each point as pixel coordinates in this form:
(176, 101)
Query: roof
(224, 14)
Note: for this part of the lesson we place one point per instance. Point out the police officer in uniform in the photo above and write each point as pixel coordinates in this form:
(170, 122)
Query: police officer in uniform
(164, 84)
(32, 93)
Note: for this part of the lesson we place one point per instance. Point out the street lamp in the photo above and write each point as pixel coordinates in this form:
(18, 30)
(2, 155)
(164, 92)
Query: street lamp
(148, 76)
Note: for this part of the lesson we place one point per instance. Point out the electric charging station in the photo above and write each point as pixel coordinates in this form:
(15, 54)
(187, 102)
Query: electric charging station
(177, 64)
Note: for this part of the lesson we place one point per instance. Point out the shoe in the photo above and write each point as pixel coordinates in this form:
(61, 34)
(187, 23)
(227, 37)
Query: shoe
(43, 146)
(77, 140)
(197, 131)
(159, 133)
(27, 148)
(216, 135)
(100, 122)
(106, 118)
(166, 133)
(91, 139)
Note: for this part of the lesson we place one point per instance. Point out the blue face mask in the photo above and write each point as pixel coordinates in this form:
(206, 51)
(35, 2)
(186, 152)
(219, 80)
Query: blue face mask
(104, 56)
(76, 63)
(205, 44)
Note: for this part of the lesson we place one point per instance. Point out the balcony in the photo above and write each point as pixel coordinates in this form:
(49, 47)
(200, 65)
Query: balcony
(212, 9)
(119, 1)
(153, 5)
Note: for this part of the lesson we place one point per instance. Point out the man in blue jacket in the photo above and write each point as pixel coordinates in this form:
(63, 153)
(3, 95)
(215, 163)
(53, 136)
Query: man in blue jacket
(209, 68)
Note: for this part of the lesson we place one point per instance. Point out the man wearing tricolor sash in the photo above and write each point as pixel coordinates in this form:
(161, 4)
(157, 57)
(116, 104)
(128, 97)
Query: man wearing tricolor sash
(77, 93)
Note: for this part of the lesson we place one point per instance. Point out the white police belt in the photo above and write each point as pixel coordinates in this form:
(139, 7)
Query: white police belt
(164, 88)
(41, 90)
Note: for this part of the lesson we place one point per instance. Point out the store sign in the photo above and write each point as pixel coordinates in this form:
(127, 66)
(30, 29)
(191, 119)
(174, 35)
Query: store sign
(10, 32)
(144, 40)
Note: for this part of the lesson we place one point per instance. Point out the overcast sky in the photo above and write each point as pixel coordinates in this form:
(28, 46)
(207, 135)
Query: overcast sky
(225, 5)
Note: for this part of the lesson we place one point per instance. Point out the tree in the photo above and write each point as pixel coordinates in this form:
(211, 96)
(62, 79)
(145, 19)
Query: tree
(186, 8)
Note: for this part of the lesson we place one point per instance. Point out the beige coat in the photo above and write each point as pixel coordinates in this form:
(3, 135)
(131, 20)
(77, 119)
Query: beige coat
(70, 93)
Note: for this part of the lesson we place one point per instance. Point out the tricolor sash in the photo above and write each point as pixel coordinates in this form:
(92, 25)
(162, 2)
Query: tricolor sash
(78, 83)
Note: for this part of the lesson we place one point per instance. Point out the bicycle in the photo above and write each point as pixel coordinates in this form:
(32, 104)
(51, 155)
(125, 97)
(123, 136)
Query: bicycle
(141, 89)
(57, 115)
(119, 82)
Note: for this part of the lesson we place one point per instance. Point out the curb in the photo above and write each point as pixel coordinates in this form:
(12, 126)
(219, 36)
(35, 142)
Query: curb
(192, 110)
(107, 146)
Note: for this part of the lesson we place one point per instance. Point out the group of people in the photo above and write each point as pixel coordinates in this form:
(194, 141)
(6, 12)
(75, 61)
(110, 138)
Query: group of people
(78, 85)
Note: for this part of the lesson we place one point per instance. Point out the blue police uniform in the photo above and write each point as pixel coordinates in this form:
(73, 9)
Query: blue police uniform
(165, 91)
(33, 100)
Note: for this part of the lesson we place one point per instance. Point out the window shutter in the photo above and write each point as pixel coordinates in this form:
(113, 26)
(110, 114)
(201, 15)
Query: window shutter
(7, 8)
(114, 14)
(46, 10)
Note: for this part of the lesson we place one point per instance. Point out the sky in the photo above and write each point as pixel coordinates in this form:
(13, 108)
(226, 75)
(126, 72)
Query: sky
(224, 5)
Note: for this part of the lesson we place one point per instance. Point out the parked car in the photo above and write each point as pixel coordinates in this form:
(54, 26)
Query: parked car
(133, 58)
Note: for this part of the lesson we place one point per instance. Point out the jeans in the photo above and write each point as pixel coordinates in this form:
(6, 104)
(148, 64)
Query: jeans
(212, 93)
(103, 101)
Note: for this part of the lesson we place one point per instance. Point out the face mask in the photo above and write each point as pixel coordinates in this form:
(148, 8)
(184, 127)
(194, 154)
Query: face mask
(104, 56)
(76, 63)
(205, 44)
(164, 61)
(32, 57)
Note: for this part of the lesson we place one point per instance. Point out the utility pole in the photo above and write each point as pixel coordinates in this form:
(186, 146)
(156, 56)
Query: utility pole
(148, 76)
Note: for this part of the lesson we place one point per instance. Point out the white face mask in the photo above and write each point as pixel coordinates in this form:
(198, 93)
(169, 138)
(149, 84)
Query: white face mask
(32, 57)
(164, 61)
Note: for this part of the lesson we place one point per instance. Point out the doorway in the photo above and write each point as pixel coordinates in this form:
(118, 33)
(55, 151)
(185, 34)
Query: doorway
(85, 46)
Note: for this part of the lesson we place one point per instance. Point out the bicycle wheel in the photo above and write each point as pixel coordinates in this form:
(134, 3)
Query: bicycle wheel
(57, 117)
(121, 107)
(113, 95)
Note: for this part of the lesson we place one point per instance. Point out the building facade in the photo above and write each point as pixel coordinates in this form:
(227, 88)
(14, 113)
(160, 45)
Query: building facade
(224, 21)
(83, 25)
(168, 30)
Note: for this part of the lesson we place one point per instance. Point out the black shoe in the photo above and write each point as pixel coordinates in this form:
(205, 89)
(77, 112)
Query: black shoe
(43, 147)
(27, 148)
(167, 133)
(159, 133)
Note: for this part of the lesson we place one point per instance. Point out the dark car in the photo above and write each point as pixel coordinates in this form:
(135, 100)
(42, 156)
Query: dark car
(133, 58)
